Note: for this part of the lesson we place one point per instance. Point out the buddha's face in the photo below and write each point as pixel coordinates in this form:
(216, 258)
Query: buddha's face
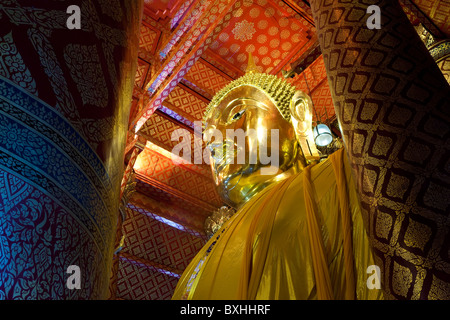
(251, 144)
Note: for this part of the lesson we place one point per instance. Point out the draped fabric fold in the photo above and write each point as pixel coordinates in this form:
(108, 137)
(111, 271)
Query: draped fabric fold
(319, 260)
(337, 160)
(253, 272)
(302, 238)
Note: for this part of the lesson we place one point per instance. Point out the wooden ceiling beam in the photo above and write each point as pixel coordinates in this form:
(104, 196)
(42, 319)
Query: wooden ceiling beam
(166, 188)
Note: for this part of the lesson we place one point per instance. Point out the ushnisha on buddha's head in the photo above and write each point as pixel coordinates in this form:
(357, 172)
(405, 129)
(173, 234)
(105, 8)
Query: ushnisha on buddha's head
(256, 129)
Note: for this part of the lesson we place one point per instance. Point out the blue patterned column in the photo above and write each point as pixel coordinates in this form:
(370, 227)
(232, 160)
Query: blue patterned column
(64, 103)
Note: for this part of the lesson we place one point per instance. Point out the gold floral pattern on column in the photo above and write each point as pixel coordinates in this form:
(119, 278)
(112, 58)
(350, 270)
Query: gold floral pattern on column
(392, 103)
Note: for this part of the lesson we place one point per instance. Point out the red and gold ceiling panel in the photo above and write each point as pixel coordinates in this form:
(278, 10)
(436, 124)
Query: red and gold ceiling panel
(205, 93)
(141, 73)
(201, 168)
(315, 73)
(223, 65)
(155, 253)
(148, 40)
(271, 30)
(176, 176)
(188, 102)
(323, 102)
(316, 86)
(159, 130)
(207, 77)
(177, 115)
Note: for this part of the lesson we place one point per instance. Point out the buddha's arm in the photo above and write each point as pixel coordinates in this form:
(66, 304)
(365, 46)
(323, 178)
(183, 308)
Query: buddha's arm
(392, 104)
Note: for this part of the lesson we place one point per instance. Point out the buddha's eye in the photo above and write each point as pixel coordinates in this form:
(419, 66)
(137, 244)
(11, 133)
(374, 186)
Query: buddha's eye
(238, 115)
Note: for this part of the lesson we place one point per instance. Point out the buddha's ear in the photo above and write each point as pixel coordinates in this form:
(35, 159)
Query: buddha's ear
(301, 107)
(301, 118)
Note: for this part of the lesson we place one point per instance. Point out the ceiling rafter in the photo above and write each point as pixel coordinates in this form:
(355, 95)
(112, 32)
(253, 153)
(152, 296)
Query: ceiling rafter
(183, 65)
(176, 192)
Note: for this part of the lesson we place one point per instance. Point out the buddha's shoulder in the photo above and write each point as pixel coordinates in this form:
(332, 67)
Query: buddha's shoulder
(322, 178)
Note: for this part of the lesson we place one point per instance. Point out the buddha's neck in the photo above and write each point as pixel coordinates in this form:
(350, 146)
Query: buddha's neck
(296, 168)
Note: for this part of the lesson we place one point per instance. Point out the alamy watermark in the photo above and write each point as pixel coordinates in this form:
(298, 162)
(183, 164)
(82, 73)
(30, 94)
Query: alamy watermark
(74, 20)
(74, 280)
(374, 280)
(230, 149)
(374, 21)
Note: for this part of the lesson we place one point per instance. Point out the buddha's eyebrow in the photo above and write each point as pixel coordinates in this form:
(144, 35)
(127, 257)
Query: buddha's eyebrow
(248, 102)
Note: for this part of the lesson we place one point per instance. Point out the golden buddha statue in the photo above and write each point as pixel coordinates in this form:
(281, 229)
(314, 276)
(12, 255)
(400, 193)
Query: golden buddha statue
(298, 231)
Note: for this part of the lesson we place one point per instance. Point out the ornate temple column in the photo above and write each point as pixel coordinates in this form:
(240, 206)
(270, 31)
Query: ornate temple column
(441, 53)
(66, 80)
(126, 193)
(392, 103)
(438, 48)
(127, 188)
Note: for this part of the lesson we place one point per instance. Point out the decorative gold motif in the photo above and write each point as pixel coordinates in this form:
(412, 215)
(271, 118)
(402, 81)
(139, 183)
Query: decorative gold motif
(244, 30)
(251, 67)
(215, 221)
(85, 69)
(425, 35)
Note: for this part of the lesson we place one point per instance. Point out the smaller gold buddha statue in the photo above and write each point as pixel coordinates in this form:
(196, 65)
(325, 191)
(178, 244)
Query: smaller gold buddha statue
(298, 231)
